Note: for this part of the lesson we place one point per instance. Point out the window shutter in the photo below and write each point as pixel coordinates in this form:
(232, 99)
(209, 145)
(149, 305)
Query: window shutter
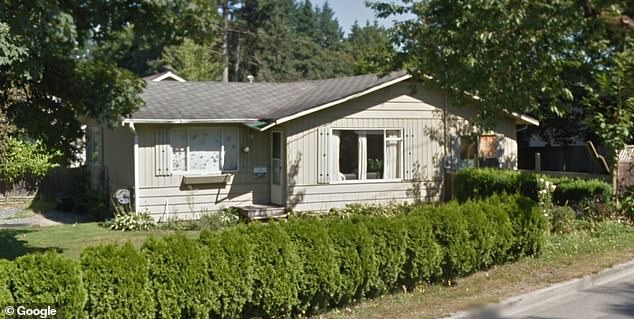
(162, 150)
(409, 145)
(323, 163)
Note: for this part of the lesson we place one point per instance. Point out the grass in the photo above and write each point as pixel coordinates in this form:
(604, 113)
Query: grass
(69, 240)
(586, 251)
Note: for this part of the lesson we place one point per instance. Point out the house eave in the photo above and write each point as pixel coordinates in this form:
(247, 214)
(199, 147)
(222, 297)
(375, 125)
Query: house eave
(188, 121)
(335, 102)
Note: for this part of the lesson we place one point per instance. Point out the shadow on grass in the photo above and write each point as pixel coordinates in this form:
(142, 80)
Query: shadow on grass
(13, 246)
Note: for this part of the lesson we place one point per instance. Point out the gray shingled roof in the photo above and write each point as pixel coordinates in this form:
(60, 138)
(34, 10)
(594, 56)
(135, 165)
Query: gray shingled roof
(169, 100)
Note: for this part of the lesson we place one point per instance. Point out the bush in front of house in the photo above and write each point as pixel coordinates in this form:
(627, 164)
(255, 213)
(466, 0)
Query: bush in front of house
(124, 267)
(6, 268)
(478, 183)
(389, 236)
(280, 269)
(356, 259)
(180, 284)
(230, 267)
(276, 271)
(574, 191)
(49, 279)
(424, 255)
(319, 265)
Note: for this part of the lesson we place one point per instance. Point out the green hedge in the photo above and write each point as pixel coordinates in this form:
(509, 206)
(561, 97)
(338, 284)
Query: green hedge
(280, 269)
(49, 279)
(478, 183)
(105, 267)
(230, 269)
(6, 269)
(178, 277)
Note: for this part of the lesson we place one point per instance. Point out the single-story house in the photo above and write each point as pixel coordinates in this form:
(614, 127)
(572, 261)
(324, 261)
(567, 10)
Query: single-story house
(198, 147)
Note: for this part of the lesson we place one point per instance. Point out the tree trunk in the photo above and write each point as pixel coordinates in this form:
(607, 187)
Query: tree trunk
(236, 67)
(225, 41)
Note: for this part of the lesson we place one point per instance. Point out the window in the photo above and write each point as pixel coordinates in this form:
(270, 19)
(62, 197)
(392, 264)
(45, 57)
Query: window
(204, 150)
(468, 152)
(481, 150)
(366, 154)
(488, 146)
(93, 154)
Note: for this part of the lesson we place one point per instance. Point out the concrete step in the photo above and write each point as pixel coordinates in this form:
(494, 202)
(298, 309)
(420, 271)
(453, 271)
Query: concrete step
(255, 212)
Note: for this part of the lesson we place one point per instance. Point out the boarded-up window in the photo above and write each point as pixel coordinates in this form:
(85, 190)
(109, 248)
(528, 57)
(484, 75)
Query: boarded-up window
(205, 150)
(468, 152)
(488, 146)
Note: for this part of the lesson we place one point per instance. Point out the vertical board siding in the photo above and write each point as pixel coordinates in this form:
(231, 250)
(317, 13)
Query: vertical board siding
(163, 195)
(418, 113)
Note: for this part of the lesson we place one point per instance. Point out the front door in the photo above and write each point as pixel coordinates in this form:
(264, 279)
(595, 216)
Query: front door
(277, 168)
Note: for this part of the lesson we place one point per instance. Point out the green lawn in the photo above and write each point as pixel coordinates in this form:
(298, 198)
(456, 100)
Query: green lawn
(69, 240)
(564, 257)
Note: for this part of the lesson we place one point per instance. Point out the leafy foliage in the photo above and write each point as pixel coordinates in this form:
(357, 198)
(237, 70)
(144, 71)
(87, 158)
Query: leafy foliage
(49, 279)
(178, 275)
(231, 267)
(123, 266)
(193, 61)
(294, 268)
(6, 270)
(131, 222)
(565, 56)
(24, 160)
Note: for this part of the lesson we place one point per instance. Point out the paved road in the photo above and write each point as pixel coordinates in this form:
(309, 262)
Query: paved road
(614, 299)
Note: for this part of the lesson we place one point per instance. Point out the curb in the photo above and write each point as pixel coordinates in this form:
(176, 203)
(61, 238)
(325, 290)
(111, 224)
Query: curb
(559, 290)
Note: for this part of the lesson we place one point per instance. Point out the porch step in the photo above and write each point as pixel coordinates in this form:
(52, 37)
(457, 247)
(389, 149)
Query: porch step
(255, 212)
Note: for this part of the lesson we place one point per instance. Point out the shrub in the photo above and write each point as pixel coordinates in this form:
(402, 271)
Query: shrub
(320, 268)
(276, 271)
(490, 229)
(179, 279)
(6, 271)
(478, 183)
(49, 279)
(529, 225)
(423, 255)
(574, 191)
(562, 220)
(220, 219)
(230, 269)
(451, 231)
(370, 210)
(389, 238)
(356, 259)
(130, 222)
(474, 183)
(117, 283)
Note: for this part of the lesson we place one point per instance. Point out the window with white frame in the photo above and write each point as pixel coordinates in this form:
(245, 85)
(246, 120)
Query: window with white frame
(208, 150)
(366, 154)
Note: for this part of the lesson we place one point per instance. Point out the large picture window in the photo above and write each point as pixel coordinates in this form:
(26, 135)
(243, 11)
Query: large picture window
(366, 155)
(205, 150)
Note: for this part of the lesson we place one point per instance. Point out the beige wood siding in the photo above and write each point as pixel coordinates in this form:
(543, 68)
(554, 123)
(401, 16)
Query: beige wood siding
(165, 196)
(417, 110)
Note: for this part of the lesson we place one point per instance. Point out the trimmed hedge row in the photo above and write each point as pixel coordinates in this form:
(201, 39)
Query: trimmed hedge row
(474, 183)
(301, 266)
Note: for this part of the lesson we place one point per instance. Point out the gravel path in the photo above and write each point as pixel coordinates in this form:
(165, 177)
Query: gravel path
(44, 219)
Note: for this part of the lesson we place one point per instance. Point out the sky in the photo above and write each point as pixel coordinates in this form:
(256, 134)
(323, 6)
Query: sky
(346, 11)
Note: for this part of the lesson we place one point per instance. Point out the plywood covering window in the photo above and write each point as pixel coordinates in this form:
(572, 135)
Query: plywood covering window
(366, 155)
(204, 150)
(481, 150)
